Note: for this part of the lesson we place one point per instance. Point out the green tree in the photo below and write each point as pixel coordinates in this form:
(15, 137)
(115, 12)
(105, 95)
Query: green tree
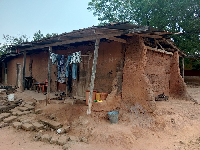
(39, 36)
(12, 40)
(172, 15)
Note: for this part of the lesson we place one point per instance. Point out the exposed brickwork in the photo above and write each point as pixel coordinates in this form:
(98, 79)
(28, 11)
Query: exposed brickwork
(136, 88)
(158, 71)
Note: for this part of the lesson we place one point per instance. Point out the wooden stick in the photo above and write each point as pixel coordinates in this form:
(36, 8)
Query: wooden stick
(183, 66)
(49, 77)
(93, 76)
(24, 70)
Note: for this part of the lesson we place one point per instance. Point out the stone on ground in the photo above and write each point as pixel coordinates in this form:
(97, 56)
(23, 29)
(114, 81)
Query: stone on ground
(63, 140)
(84, 139)
(4, 115)
(10, 119)
(38, 126)
(67, 146)
(37, 137)
(29, 107)
(73, 138)
(22, 108)
(45, 138)
(27, 127)
(17, 125)
(38, 111)
(54, 139)
(53, 124)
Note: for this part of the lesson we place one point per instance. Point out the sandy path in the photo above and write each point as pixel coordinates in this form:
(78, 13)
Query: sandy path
(174, 126)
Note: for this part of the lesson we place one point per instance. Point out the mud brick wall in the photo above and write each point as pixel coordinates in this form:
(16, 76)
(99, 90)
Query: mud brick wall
(108, 64)
(136, 87)
(12, 69)
(177, 85)
(158, 71)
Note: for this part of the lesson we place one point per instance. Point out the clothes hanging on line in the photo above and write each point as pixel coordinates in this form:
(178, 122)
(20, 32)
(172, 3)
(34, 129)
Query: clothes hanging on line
(67, 65)
(74, 71)
(76, 57)
(53, 58)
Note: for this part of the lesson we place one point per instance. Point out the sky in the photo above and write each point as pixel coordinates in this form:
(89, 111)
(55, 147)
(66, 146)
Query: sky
(19, 17)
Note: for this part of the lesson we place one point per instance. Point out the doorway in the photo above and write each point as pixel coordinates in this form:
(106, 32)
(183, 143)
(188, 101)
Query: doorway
(19, 75)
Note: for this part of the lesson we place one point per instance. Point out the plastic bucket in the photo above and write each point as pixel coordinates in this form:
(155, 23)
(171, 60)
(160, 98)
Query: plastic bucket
(11, 97)
(93, 97)
(113, 116)
(98, 95)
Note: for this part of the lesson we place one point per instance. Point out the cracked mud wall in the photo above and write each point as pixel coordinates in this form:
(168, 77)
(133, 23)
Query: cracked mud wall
(177, 86)
(136, 87)
(158, 71)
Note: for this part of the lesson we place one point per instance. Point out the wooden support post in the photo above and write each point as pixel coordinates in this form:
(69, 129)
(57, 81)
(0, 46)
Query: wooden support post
(24, 70)
(49, 77)
(183, 66)
(93, 76)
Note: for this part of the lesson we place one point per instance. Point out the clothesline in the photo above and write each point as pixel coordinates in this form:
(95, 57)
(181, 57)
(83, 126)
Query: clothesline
(63, 65)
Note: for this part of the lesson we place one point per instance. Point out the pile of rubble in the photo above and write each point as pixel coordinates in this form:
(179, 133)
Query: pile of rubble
(22, 116)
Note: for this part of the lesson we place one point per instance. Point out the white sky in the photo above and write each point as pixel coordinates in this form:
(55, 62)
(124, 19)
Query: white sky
(48, 16)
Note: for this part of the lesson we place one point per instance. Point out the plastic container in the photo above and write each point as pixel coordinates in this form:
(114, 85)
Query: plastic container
(113, 116)
(98, 96)
(104, 96)
(93, 97)
(11, 97)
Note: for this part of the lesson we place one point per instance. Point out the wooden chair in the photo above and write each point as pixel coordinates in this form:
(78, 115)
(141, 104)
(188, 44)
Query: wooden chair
(43, 85)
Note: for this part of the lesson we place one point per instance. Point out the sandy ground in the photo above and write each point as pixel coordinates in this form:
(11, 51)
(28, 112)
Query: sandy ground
(173, 126)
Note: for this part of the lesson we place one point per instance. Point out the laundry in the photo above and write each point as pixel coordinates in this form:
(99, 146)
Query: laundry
(62, 63)
(67, 65)
(62, 78)
(53, 58)
(58, 65)
(76, 57)
(74, 71)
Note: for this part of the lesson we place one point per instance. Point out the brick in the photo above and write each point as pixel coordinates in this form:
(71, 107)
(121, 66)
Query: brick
(53, 124)
(17, 125)
(38, 111)
(4, 115)
(37, 137)
(63, 140)
(22, 108)
(29, 107)
(31, 103)
(45, 138)
(73, 138)
(38, 125)
(17, 113)
(13, 110)
(84, 139)
(26, 112)
(10, 119)
(54, 139)
(67, 146)
(27, 127)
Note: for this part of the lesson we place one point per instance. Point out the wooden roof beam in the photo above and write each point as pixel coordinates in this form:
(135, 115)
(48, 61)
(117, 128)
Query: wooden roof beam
(117, 39)
(88, 38)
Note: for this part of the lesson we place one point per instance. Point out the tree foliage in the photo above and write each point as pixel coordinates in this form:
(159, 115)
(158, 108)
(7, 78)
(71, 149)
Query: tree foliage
(172, 15)
(12, 40)
(39, 36)
(19, 39)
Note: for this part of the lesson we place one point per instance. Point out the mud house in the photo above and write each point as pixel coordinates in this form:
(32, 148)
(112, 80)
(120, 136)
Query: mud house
(131, 63)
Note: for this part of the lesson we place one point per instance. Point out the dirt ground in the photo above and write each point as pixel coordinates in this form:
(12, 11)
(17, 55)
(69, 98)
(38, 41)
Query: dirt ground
(173, 126)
